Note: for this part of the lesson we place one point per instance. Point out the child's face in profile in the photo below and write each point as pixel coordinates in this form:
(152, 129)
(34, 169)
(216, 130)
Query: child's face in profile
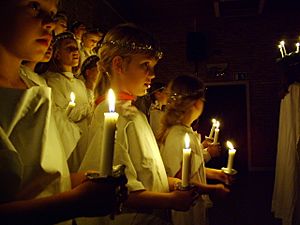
(91, 40)
(68, 53)
(26, 26)
(137, 75)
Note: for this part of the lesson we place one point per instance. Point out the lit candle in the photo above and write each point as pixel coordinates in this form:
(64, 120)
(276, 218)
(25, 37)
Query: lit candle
(297, 47)
(212, 128)
(283, 47)
(281, 51)
(231, 153)
(71, 104)
(217, 130)
(186, 162)
(108, 140)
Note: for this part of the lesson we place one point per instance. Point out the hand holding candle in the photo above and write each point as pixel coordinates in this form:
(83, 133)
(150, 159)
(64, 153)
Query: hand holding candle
(231, 153)
(71, 104)
(108, 140)
(186, 162)
(217, 130)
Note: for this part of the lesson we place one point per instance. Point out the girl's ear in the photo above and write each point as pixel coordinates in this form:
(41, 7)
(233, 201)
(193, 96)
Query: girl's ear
(117, 64)
(199, 104)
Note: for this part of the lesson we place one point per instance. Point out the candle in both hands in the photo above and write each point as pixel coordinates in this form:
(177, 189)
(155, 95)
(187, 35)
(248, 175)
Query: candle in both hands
(186, 162)
(231, 153)
(217, 130)
(71, 104)
(108, 139)
(212, 127)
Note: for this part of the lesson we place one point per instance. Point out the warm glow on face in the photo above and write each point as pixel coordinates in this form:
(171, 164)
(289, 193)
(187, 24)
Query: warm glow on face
(217, 124)
(282, 43)
(229, 145)
(187, 141)
(279, 46)
(111, 100)
(72, 97)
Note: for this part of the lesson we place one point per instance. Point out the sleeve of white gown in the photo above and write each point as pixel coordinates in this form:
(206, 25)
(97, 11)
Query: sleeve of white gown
(129, 152)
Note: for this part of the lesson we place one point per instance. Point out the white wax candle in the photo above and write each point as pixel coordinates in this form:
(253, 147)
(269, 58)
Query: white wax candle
(297, 47)
(283, 47)
(212, 128)
(231, 153)
(71, 104)
(217, 130)
(281, 51)
(108, 140)
(186, 162)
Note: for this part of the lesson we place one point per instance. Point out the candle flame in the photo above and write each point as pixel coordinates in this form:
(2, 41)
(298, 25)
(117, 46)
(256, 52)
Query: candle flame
(213, 121)
(187, 141)
(111, 100)
(72, 97)
(229, 145)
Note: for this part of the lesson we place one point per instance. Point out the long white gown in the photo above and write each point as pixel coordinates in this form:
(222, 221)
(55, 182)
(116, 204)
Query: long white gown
(69, 131)
(136, 148)
(62, 85)
(32, 158)
(171, 153)
(286, 187)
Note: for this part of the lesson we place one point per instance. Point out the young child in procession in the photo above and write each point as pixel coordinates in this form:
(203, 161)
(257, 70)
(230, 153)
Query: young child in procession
(37, 187)
(158, 103)
(185, 105)
(89, 42)
(60, 77)
(129, 55)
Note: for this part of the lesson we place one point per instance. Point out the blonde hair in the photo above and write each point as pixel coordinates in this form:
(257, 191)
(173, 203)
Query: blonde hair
(183, 92)
(126, 40)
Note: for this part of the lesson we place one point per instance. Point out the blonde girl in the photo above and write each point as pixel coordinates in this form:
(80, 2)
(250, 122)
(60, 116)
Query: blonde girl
(129, 55)
(185, 105)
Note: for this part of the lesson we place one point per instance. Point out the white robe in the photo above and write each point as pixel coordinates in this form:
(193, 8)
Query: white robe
(171, 153)
(136, 148)
(62, 85)
(69, 131)
(286, 185)
(33, 162)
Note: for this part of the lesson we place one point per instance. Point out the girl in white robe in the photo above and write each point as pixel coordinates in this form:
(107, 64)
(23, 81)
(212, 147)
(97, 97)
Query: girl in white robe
(185, 105)
(60, 78)
(36, 187)
(129, 56)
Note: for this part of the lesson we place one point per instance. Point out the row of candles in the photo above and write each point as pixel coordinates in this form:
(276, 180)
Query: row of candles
(187, 153)
(109, 128)
(282, 48)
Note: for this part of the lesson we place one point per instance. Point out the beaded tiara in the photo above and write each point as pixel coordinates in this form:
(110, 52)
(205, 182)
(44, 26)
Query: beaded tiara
(196, 94)
(135, 46)
(90, 60)
(64, 35)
